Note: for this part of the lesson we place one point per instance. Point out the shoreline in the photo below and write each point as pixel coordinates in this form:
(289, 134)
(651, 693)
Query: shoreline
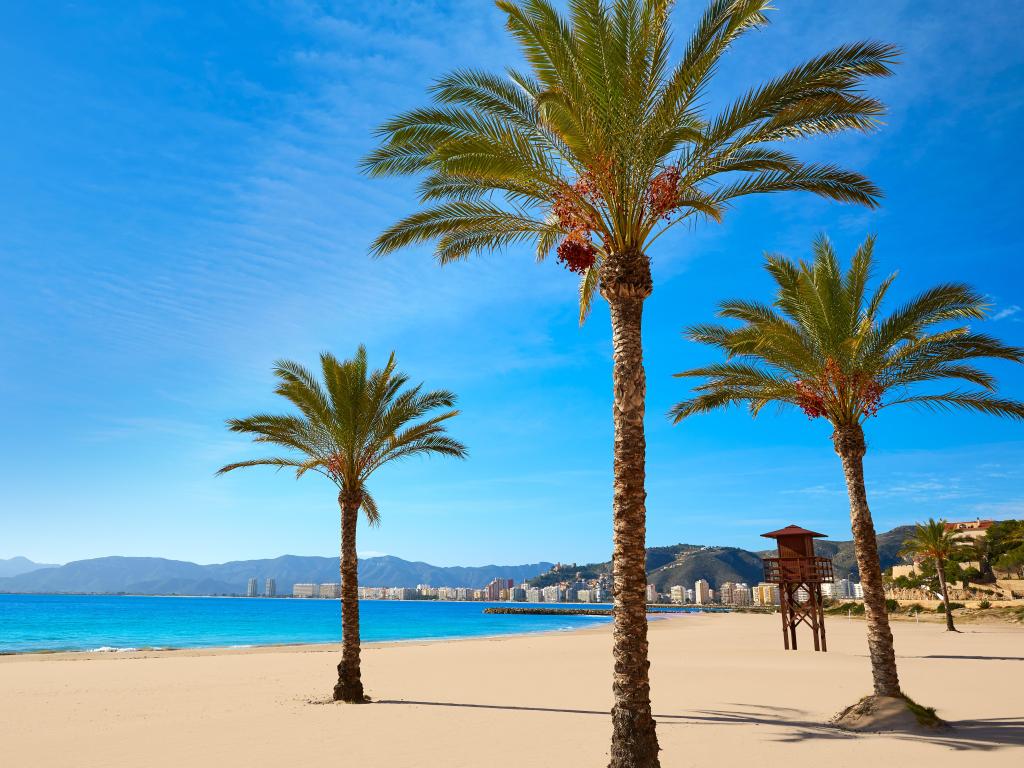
(299, 647)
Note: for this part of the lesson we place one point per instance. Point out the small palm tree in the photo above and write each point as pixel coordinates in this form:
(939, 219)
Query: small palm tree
(596, 150)
(935, 541)
(349, 425)
(825, 347)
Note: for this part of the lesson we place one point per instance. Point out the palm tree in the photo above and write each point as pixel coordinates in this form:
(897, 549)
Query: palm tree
(598, 148)
(934, 541)
(350, 423)
(824, 347)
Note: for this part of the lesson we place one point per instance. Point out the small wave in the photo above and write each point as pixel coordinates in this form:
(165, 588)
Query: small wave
(110, 649)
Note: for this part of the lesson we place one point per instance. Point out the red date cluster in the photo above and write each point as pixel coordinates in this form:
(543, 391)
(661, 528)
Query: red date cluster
(833, 384)
(571, 208)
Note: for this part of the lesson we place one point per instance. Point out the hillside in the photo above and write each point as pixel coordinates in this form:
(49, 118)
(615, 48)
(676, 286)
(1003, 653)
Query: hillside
(159, 576)
(15, 566)
(683, 564)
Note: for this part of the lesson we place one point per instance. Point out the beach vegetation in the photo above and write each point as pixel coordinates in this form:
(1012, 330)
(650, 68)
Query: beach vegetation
(602, 143)
(825, 347)
(347, 424)
(936, 542)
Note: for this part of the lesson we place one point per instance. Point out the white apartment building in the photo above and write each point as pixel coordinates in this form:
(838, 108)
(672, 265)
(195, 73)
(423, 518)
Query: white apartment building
(701, 592)
(252, 590)
(270, 588)
(306, 590)
(732, 593)
(677, 594)
(331, 591)
(652, 594)
(553, 594)
(534, 595)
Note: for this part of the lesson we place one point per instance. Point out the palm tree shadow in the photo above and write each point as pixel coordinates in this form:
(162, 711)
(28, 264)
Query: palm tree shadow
(985, 735)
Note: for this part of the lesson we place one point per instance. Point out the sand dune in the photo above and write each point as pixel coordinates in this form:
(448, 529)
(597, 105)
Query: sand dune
(724, 692)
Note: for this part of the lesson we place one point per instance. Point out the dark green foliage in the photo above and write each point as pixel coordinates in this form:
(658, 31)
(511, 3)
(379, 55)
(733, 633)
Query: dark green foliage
(1012, 561)
(952, 607)
(984, 605)
(892, 606)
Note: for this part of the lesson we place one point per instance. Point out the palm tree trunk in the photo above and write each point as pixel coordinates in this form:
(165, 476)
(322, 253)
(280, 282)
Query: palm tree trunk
(625, 284)
(940, 566)
(350, 685)
(849, 444)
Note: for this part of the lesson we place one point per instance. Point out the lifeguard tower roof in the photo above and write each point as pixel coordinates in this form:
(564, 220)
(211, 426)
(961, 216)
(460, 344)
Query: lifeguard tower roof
(793, 530)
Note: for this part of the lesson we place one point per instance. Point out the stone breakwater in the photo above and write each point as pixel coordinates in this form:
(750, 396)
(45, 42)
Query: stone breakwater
(595, 611)
(552, 611)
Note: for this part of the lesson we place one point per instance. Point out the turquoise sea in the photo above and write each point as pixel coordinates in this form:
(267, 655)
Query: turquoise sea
(90, 622)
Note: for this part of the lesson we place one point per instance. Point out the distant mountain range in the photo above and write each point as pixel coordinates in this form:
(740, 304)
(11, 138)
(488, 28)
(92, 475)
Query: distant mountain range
(683, 564)
(679, 564)
(157, 576)
(16, 566)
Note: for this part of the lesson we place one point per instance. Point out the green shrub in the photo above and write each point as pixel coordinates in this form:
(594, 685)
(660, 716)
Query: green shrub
(892, 606)
(915, 608)
(984, 605)
(952, 606)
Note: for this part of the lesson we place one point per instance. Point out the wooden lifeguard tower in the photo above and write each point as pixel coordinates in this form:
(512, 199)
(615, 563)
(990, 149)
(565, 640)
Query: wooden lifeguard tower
(799, 574)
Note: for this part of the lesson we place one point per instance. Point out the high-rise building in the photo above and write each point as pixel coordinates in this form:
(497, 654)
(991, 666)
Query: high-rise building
(766, 594)
(652, 594)
(741, 594)
(251, 591)
(330, 591)
(305, 590)
(493, 590)
(553, 594)
(516, 594)
(677, 594)
(534, 595)
(270, 588)
(701, 592)
(731, 593)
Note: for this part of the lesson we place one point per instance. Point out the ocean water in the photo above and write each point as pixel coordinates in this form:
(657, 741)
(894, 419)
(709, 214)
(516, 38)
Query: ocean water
(90, 622)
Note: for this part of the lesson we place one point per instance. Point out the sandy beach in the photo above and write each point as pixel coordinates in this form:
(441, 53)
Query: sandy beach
(724, 693)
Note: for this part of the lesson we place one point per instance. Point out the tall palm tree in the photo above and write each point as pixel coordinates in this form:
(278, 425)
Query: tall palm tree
(934, 541)
(825, 347)
(350, 423)
(595, 150)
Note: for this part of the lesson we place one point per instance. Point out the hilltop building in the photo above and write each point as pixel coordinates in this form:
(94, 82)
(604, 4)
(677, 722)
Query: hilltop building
(971, 529)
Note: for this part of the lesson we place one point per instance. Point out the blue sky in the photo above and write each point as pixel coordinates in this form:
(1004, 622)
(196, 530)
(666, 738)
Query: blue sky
(181, 206)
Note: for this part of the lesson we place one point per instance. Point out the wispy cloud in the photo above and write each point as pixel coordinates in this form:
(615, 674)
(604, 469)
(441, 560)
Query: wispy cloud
(1006, 312)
